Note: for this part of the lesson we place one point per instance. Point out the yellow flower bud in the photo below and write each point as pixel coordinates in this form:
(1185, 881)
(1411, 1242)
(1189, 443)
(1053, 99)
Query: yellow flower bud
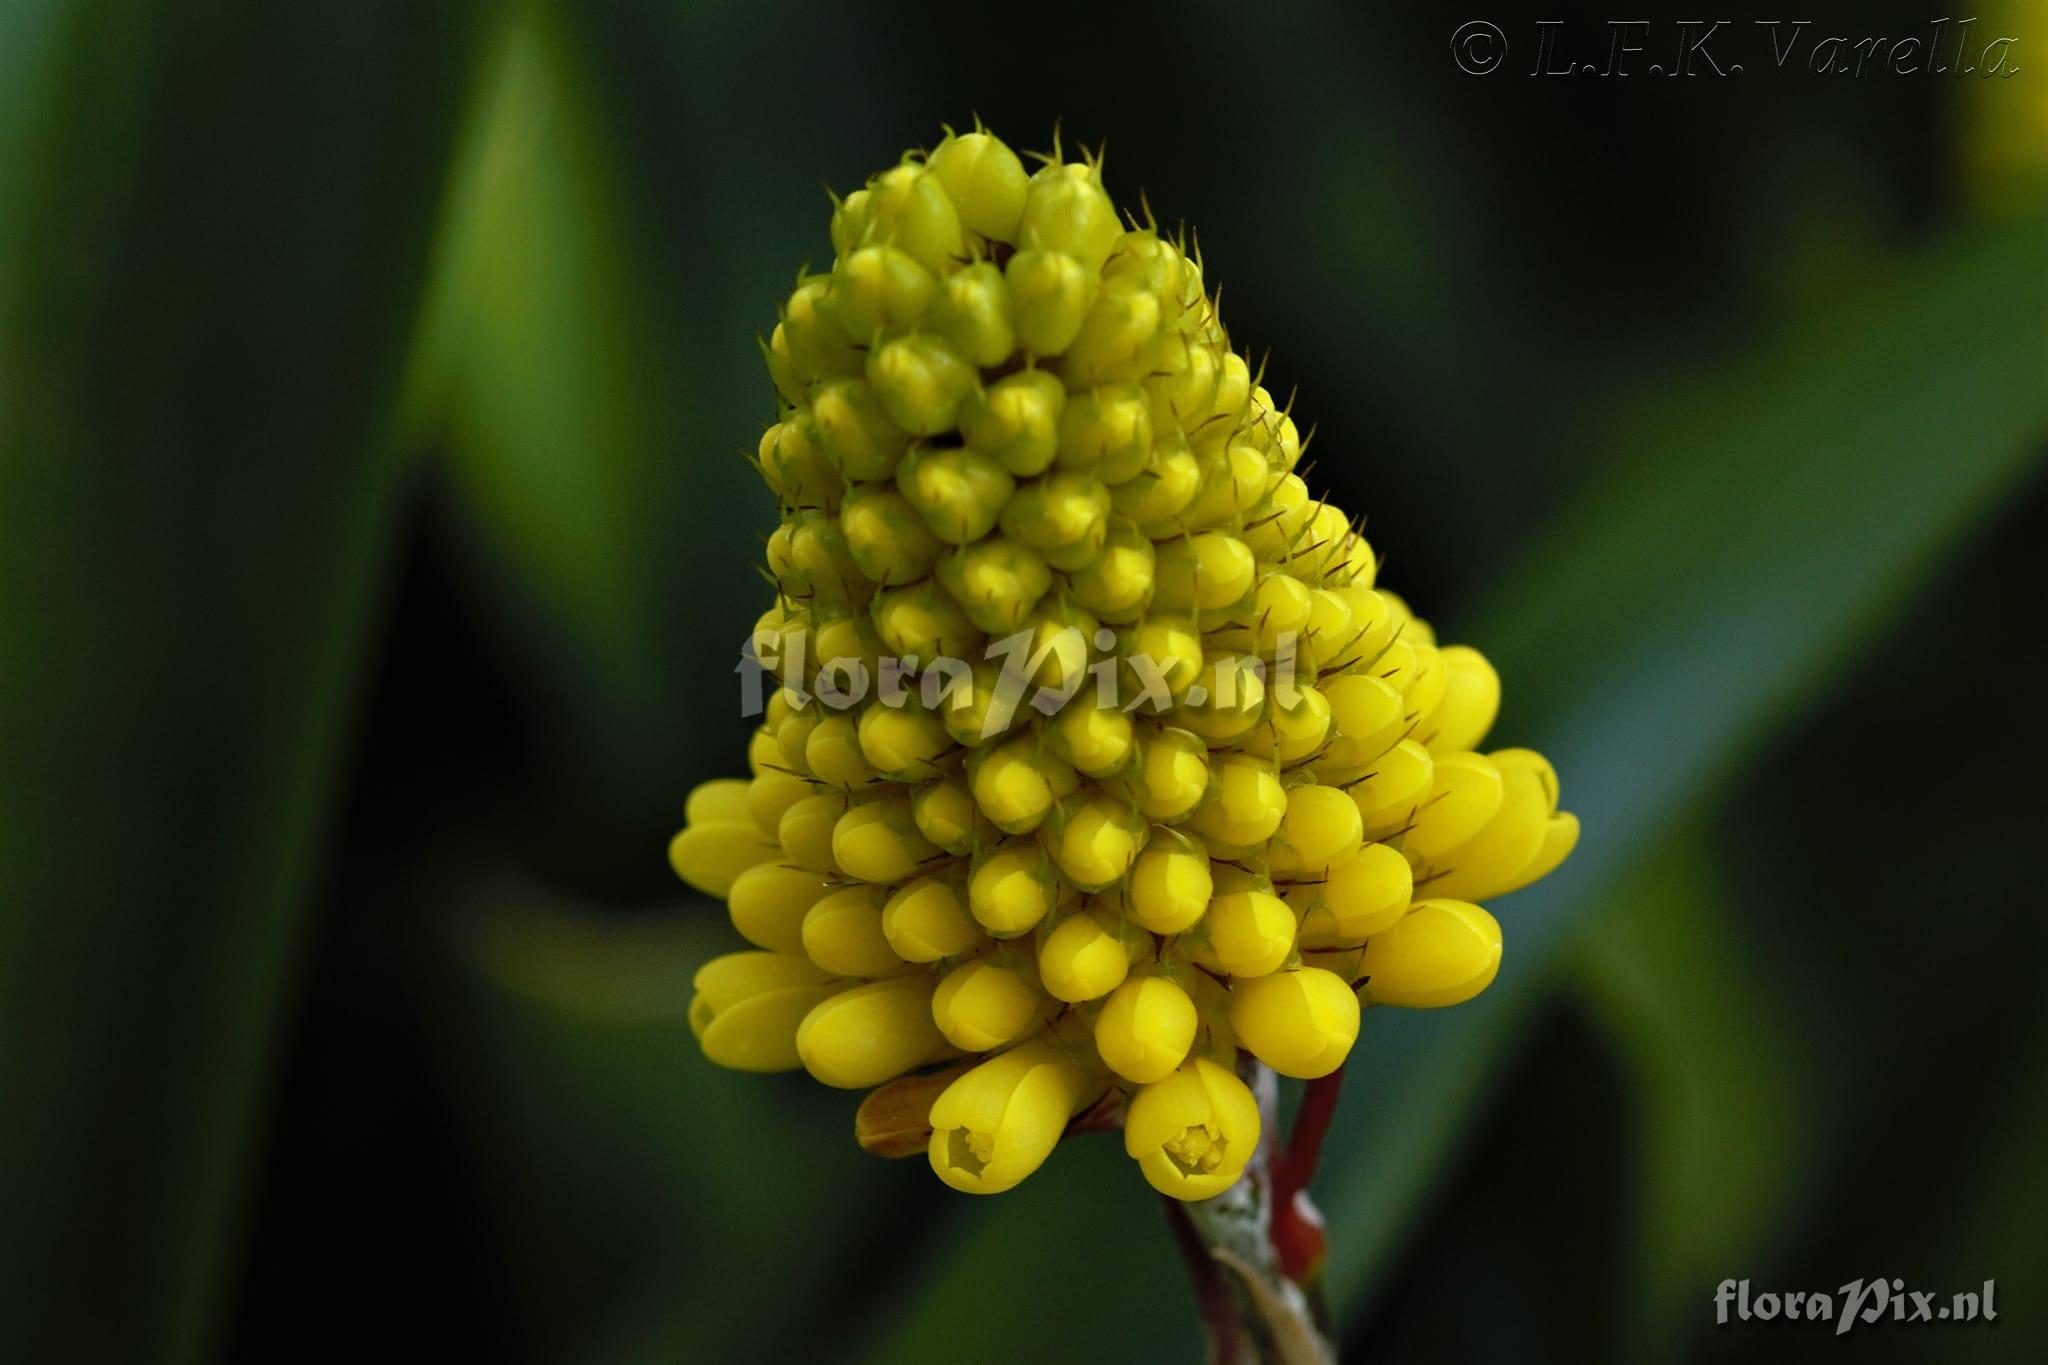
(1282, 606)
(985, 180)
(748, 1006)
(1064, 515)
(1231, 486)
(1367, 719)
(902, 743)
(1097, 741)
(1245, 805)
(794, 464)
(1017, 785)
(723, 798)
(1298, 720)
(1049, 296)
(1145, 1029)
(1228, 699)
(1170, 883)
(832, 753)
(1470, 702)
(768, 903)
(1162, 654)
(998, 581)
(1172, 775)
(1094, 841)
(1084, 957)
(1394, 790)
(885, 537)
(922, 380)
(983, 707)
(879, 842)
(782, 370)
(849, 223)
(909, 207)
(856, 432)
(957, 490)
(924, 620)
(805, 834)
(1193, 1132)
(997, 1124)
(769, 795)
(946, 814)
(1016, 420)
(819, 346)
(972, 313)
(926, 921)
(871, 1033)
(1207, 573)
(1301, 1023)
(1117, 584)
(1354, 899)
(1496, 858)
(1012, 889)
(1465, 792)
(1373, 623)
(879, 291)
(1321, 828)
(1165, 484)
(1106, 428)
(712, 855)
(842, 933)
(1114, 337)
(1065, 210)
(1250, 933)
(1182, 384)
(1442, 952)
(983, 1005)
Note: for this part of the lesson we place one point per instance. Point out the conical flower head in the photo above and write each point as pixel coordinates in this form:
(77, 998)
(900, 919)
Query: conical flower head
(1096, 756)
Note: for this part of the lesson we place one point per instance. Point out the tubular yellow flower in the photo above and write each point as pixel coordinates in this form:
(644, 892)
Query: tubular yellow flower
(842, 933)
(879, 842)
(748, 1007)
(712, 856)
(1192, 1132)
(1442, 952)
(999, 1122)
(871, 1033)
(1188, 820)
(768, 903)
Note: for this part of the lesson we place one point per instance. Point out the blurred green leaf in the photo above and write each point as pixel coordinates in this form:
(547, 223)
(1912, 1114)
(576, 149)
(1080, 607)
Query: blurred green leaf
(1725, 1132)
(652, 1206)
(216, 223)
(594, 464)
(1761, 529)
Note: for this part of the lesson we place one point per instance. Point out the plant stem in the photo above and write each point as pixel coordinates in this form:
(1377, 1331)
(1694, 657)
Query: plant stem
(1253, 1312)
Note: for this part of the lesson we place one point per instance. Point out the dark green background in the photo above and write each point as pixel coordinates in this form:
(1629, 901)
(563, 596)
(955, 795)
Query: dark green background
(374, 554)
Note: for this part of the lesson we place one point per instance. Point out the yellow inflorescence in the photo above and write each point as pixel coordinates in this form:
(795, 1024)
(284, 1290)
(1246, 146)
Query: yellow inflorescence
(1189, 782)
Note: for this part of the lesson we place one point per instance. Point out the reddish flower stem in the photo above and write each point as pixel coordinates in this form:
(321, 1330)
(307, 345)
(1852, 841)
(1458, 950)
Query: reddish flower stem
(1311, 1124)
(1297, 1228)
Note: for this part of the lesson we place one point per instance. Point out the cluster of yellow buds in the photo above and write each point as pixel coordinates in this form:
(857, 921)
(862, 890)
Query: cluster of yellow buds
(1189, 781)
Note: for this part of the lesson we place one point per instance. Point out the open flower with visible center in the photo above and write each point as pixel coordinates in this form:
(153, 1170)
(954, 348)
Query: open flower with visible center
(1097, 755)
